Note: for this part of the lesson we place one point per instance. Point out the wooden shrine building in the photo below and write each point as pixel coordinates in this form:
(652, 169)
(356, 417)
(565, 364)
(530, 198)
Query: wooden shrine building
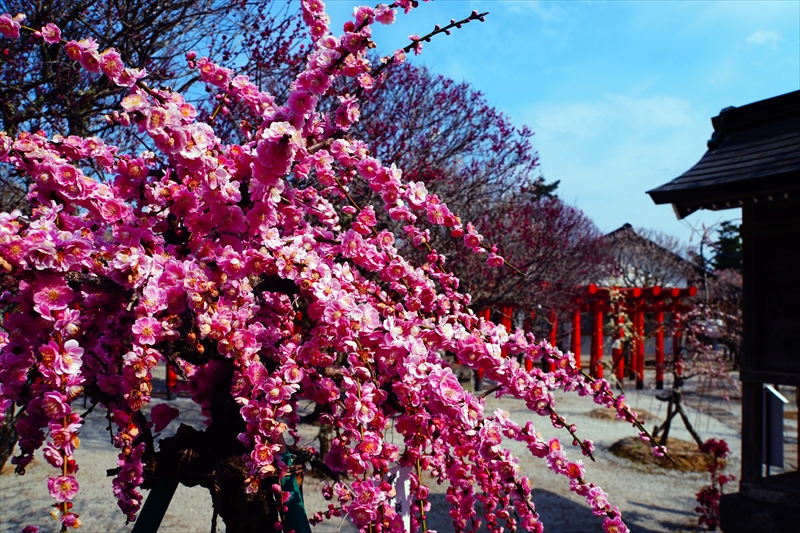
(753, 162)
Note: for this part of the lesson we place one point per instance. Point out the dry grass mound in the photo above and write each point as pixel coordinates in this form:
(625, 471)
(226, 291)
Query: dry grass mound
(686, 455)
(610, 414)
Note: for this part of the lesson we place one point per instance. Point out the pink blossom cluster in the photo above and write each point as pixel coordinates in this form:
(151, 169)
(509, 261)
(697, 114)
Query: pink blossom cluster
(704, 324)
(10, 26)
(184, 256)
(709, 496)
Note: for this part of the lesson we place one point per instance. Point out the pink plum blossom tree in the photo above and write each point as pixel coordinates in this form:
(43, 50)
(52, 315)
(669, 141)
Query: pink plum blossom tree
(251, 270)
(40, 89)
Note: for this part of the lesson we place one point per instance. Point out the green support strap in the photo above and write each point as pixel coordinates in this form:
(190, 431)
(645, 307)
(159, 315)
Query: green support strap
(155, 507)
(295, 517)
(157, 503)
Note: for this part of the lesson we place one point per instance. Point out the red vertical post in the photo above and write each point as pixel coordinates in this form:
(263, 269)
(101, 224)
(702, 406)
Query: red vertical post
(639, 365)
(486, 314)
(528, 362)
(597, 341)
(172, 380)
(576, 336)
(505, 320)
(551, 367)
(172, 377)
(660, 349)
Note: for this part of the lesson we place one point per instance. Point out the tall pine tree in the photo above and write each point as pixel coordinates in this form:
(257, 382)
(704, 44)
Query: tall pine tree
(728, 248)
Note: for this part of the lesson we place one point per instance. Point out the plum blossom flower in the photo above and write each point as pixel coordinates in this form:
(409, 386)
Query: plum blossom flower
(347, 113)
(66, 361)
(69, 359)
(417, 44)
(575, 470)
(472, 239)
(63, 488)
(370, 444)
(9, 26)
(55, 406)
(315, 81)
(147, 329)
(597, 499)
(134, 102)
(614, 525)
(263, 454)
(153, 299)
(73, 50)
(129, 76)
(494, 260)
(53, 456)
(90, 59)
(51, 33)
(70, 520)
(417, 194)
(367, 496)
(111, 64)
(384, 14)
(51, 294)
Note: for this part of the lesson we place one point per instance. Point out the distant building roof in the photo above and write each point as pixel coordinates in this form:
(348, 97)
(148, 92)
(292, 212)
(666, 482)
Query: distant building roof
(644, 262)
(753, 155)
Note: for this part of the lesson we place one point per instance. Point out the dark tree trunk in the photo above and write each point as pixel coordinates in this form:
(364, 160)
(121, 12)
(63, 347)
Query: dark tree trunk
(675, 408)
(8, 436)
(212, 458)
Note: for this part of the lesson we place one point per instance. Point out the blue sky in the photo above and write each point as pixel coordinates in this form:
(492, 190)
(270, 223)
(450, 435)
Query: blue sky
(619, 93)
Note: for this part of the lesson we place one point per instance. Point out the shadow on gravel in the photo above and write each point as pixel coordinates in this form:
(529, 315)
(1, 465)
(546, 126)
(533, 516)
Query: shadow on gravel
(557, 513)
(562, 515)
(683, 512)
(685, 519)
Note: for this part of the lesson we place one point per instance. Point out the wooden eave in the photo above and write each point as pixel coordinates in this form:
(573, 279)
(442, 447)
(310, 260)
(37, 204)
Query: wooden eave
(754, 156)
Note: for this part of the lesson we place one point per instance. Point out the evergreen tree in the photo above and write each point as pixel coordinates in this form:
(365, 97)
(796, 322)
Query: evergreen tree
(728, 248)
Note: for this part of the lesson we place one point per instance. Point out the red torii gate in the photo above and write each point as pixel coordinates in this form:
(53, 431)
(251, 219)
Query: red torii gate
(597, 300)
(638, 301)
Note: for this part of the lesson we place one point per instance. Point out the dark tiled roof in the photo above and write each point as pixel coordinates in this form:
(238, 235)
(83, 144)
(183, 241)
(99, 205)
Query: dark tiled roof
(626, 233)
(753, 154)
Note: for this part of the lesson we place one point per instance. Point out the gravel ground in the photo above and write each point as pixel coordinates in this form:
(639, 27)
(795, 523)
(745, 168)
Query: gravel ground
(651, 500)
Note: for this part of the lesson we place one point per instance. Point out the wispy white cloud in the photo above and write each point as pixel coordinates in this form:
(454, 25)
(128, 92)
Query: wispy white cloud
(769, 38)
(618, 93)
(608, 152)
(741, 14)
